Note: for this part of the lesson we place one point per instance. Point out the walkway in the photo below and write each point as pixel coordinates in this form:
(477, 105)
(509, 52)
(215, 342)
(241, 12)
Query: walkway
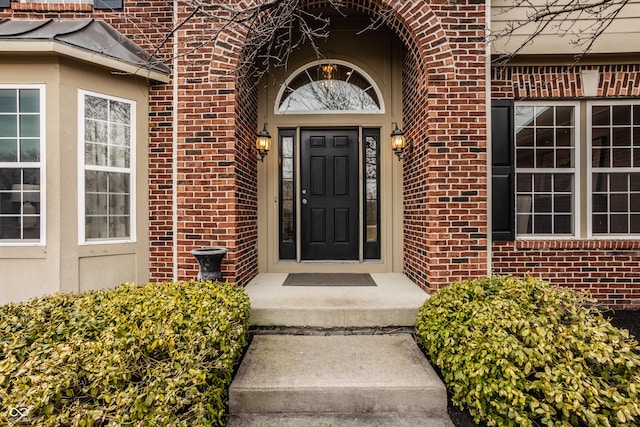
(336, 356)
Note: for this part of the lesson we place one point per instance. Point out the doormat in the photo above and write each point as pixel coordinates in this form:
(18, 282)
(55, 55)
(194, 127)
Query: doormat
(328, 279)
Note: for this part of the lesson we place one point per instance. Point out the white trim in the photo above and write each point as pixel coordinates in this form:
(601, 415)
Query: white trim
(575, 170)
(40, 165)
(82, 168)
(589, 169)
(293, 75)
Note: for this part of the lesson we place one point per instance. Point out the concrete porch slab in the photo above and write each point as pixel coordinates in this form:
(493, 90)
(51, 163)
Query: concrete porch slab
(394, 301)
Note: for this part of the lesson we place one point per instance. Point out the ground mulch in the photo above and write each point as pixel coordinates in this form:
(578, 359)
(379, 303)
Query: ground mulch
(625, 319)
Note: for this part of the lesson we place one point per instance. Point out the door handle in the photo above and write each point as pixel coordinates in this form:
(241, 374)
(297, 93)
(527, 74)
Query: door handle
(304, 201)
(304, 191)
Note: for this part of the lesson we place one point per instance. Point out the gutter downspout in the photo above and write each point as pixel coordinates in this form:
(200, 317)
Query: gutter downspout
(174, 146)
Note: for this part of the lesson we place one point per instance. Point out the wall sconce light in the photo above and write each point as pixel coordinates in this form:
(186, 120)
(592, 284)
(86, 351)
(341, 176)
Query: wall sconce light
(399, 142)
(263, 142)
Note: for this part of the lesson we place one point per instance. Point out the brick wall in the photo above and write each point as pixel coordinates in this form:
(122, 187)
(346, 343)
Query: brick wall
(608, 269)
(445, 222)
(444, 112)
(217, 171)
(562, 82)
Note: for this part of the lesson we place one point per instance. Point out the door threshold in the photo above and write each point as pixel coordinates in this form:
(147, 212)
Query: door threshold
(330, 261)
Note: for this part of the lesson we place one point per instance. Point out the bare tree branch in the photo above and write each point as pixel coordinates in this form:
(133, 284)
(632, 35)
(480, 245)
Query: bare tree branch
(583, 21)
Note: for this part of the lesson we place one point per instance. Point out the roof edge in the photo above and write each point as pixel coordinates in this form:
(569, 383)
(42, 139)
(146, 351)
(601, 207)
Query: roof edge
(64, 49)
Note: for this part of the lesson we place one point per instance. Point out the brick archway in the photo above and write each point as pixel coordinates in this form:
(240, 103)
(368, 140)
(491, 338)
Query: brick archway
(443, 111)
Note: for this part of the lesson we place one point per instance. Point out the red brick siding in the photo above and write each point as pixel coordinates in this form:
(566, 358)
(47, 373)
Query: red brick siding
(445, 221)
(609, 270)
(246, 176)
(446, 104)
(445, 177)
(161, 182)
(547, 82)
(217, 188)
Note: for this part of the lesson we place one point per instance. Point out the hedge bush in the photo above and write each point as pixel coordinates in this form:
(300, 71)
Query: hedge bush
(520, 352)
(153, 355)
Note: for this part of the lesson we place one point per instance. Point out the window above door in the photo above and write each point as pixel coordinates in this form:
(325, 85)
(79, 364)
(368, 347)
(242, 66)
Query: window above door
(329, 86)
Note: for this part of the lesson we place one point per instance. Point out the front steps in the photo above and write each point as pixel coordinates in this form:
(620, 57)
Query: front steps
(337, 380)
(393, 302)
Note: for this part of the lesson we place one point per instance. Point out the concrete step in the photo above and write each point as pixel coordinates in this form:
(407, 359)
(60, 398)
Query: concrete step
(328, 375)
(394, 301)
(337, 420)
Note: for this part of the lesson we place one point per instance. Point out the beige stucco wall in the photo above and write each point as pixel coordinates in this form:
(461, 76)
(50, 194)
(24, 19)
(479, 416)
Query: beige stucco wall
(378, 54)
(62, 264)
(623, 35)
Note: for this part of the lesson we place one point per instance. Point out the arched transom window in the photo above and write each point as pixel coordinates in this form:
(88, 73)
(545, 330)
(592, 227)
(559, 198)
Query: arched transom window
(329, 86)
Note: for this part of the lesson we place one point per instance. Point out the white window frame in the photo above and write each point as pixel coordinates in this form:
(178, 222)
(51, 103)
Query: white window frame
(41, 165)
(590, 171)
(82, 168)
(575, 170)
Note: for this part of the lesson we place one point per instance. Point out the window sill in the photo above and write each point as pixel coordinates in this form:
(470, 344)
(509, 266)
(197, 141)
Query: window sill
(52, 7)
(585, 244)
(23, 251)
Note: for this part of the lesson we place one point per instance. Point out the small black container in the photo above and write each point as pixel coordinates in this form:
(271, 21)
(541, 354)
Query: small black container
(209, 260)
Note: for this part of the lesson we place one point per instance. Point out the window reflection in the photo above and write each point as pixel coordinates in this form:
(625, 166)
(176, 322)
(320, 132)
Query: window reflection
(545, 156)
(21, 202)
(615, 144)
(329, 87)
(287, 190)
(371, 189)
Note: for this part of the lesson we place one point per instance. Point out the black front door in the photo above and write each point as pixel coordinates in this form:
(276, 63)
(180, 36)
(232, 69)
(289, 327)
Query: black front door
(329, 194)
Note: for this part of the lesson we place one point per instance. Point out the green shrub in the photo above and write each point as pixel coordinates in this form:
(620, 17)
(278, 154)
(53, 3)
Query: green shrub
(519, 352)
(153, 355)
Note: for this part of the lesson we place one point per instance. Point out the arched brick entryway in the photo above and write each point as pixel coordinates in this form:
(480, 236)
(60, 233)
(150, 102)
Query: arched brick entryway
(445, 221)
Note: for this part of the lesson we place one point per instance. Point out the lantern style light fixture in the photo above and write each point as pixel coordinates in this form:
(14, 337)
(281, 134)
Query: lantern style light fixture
(327, 75)
(399, 142)
(263, 142)
(328, 71)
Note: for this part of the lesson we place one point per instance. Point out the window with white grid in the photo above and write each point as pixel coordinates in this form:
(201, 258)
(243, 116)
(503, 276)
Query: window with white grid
(22, 133)
(546, 150)
(107, 173)
(614, 137)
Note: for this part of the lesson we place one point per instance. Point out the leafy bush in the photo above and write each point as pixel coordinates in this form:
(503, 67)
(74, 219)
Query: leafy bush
(154, 355)
(519, 352)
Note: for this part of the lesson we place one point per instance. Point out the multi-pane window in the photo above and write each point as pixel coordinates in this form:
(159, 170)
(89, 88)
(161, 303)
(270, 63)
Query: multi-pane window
(21, 153)
(107, 135)
(615, 168)
(545, 144)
